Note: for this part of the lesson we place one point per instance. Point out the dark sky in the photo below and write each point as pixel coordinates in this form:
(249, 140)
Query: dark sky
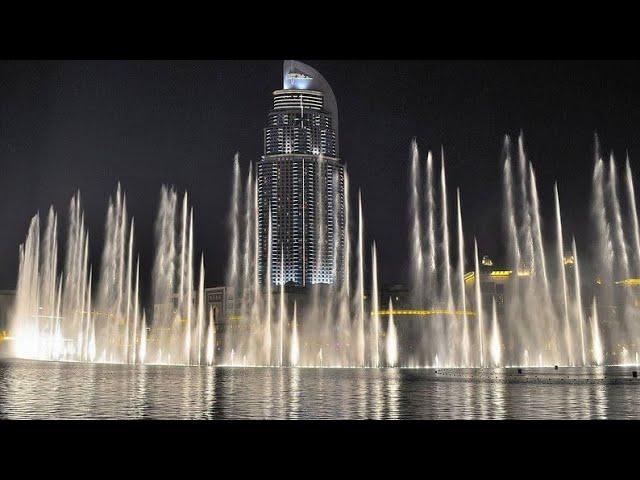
(88, 124)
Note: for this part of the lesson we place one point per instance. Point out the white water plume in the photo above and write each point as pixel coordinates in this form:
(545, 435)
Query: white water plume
(73, 310)
(496, 339)
(392, 339)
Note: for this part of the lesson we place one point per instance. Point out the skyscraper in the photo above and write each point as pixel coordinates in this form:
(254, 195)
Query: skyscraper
(301, 183)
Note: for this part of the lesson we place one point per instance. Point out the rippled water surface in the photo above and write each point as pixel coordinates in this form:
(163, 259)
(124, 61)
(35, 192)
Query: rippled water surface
(52, 390)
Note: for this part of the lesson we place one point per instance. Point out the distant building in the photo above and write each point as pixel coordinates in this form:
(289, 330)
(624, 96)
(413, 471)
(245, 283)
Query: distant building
(399, 294)
(218, 302)
(301, 183)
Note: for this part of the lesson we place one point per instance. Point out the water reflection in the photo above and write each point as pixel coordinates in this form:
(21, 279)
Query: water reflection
(377, 398)
(498, 397)
(361, 395)
(209, 393)
(31, 389)
(267, 391)
(294, 392)
(141, 393)
(600, 402)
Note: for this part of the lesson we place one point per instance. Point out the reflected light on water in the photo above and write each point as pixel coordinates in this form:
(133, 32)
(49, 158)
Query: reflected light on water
(393, 393)
(55, 390)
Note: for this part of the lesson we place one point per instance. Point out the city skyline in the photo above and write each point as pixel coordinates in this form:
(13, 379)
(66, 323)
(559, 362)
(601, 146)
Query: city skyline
(378, 171)
(306, 239)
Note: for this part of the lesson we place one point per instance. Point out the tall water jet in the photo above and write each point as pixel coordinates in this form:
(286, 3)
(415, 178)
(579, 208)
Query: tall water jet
(183, 245)
(294, 354)
(563, 277)
(247, 288)
(446, 264)
(75, 283)
(620, 244)
(392, 339)
(631, 195)
(282, 311)
(549, 326)
(211, 339)
(233, 338)
(49, 288)
(163, 273)
(175, 327)
(114, 288)
(513, 323)
(84, 354)
(25, 323)
(344, 322)
(74, 280)
(461, 286)
(513, 244)
(539, 245)
(92, 342)
(58, 317)
(526, 233)
(189, 296)
(55, 316)
(430, 337)
(246, 278)
(267, 320)
(136, 314)
(256, 305)
(447, 293)
(478, 294)
(431, 267)
(360, 288)
(578, 301)
(143, 339)
(416, 229)
(57, 340)
(243, 286)
(129, 322)
(200, 314)
(234, 219)
(375, 307)
(629, 326)
(596, 340)
(603, 248)
(496, 340)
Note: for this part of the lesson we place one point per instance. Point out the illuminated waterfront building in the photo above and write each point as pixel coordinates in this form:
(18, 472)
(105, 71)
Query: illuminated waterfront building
(301, 183)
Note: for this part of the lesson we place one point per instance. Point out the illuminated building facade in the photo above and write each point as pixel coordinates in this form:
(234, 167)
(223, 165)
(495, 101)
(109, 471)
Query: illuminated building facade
(301, 183)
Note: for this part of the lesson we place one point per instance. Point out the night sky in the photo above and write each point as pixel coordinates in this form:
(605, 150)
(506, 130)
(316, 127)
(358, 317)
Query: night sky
(89, 124)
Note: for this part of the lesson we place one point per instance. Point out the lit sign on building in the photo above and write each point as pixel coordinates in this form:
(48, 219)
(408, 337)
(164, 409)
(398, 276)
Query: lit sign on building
(298, 80)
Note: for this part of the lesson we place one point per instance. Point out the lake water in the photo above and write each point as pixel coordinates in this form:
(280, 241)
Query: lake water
(53, 390)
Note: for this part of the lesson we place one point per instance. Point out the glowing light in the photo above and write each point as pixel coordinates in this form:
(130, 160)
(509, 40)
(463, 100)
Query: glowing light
(424, 312)
(501, 273)
(629, 282)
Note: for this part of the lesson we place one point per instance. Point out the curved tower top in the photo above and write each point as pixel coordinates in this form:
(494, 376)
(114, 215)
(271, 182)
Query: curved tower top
(300, 76)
